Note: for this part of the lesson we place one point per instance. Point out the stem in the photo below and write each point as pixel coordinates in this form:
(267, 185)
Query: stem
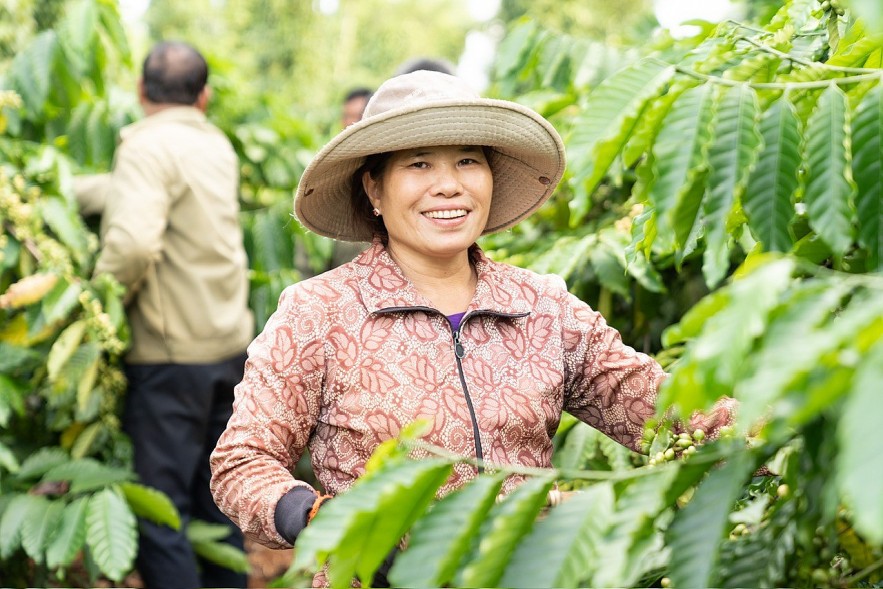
(739, 25)
(851, 581)
(866, 280)
(805, 62)
(875, 75)
(561, 473)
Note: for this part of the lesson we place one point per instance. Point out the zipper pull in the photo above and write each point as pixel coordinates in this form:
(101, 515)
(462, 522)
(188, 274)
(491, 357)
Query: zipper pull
(458, 347)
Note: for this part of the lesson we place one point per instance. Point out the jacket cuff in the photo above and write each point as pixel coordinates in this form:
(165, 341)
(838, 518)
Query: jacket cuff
(292, 512)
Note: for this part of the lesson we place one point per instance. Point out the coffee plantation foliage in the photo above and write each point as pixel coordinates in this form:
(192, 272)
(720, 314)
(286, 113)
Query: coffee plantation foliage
(724, 204)
(68, 495)
(721, 207)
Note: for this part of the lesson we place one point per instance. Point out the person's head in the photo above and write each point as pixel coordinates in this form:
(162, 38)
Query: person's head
(428, 137)
(429, 64)
(354, 105)
(174, 73)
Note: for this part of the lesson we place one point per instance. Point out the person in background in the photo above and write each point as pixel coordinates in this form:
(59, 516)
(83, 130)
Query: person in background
(354, 105)
(170, 234)
(430, 64)
(422, 325)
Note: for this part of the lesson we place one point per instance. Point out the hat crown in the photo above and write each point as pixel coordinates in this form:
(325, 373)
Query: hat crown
(418, 88)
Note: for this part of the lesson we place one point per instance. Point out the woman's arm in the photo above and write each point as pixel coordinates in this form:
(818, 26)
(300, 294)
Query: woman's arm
(612, 387)
(276, 408)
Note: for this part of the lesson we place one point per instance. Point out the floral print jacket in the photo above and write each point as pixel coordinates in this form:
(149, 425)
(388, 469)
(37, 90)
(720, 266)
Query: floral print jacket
(355, 354)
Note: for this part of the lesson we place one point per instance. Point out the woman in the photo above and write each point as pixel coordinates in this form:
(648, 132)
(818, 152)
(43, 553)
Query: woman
(422, 325)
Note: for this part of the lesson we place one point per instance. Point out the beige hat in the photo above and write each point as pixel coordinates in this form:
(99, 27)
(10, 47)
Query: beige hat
(426, 109)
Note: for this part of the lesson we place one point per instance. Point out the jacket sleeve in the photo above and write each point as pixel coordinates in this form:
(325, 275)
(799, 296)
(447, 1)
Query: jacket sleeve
(136, 214)
(612, 387)
(274, 413)
(91, 193)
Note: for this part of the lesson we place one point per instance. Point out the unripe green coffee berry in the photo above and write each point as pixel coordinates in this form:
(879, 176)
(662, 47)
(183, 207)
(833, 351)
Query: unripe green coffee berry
(670, 454)
(665, 582)
(783, 491)
(699, 435)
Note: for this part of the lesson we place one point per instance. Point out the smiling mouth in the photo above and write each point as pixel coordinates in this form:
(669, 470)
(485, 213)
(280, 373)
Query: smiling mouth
(451, 214)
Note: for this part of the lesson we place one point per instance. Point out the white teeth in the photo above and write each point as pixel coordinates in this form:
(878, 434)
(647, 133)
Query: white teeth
(452, 214)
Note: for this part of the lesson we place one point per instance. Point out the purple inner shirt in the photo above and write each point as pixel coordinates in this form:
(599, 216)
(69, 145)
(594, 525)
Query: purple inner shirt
(455, 320)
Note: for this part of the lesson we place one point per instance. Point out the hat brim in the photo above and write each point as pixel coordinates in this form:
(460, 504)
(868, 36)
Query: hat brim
(527, 163)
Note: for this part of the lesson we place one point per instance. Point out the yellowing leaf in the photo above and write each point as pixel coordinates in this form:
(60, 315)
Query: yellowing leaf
(27, 291)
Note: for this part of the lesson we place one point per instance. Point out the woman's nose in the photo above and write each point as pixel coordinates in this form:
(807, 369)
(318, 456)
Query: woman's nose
(447, 182)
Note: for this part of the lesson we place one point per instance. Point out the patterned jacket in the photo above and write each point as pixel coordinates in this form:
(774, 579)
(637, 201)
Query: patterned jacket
(353, 355)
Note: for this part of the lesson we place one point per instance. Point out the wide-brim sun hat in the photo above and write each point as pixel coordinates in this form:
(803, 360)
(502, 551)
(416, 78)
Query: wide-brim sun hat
(426, 109)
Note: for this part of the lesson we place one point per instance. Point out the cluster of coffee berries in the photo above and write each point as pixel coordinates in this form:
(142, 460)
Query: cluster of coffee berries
(682, 444)
(833, 6)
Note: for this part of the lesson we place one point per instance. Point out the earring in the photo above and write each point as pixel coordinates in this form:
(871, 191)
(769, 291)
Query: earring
(376, 212)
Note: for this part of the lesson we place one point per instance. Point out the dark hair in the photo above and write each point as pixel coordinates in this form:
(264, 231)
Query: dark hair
(174, 73)
(363, 210)
(425, 63)
(360, 92)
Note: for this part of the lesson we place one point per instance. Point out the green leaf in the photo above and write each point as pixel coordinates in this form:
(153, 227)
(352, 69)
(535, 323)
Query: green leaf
(111, 533)
(38, 527)
(223, 554)
(562, 550)
(70, 536)
(8, 459)
(31, 72)
(360, 527)
(695, 534)
(631, 525)
(207, 532)
(19, 510)
(800, 318)
(732, 154)
(64, 347)
(77, 32)
(66, 224)
(41, 462)
(714, 362)
(87, 474)
(11, 399)
(501, 532)
(768, 198)
(860, 461)
(867, 168)
(152, 504)
(680, 163)
(605, 123)
(828, 186)
(440, 539)
(579, 445)
(60, 302)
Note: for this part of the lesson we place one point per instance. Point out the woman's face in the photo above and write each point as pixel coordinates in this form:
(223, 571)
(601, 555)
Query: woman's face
(434, 200)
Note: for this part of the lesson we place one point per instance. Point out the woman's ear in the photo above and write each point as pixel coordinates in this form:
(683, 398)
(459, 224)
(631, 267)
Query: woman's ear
(372, 189)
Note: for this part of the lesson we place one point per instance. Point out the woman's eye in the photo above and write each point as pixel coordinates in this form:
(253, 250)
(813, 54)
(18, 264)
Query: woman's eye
(419, 165)
(467, 161)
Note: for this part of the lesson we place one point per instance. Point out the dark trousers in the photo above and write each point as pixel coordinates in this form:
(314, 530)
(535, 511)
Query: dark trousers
(175, 414)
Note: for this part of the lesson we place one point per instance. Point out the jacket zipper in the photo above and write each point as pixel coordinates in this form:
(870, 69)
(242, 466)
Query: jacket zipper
(459, 353)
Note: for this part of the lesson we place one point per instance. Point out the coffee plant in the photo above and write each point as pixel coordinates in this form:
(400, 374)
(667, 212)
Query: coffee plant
(723, 206)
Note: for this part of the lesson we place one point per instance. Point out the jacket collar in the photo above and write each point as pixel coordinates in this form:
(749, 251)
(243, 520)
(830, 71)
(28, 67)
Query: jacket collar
(179, 114)
(383, 286)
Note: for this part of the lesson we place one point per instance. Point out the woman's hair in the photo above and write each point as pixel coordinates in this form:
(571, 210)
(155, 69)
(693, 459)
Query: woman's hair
(363, 210)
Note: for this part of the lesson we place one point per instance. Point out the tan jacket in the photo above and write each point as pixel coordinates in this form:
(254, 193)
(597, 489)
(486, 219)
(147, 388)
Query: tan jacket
(170, 234)
(355, 354)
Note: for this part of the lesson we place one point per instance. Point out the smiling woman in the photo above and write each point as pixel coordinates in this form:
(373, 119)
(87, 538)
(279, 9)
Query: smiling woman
(422, 325)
